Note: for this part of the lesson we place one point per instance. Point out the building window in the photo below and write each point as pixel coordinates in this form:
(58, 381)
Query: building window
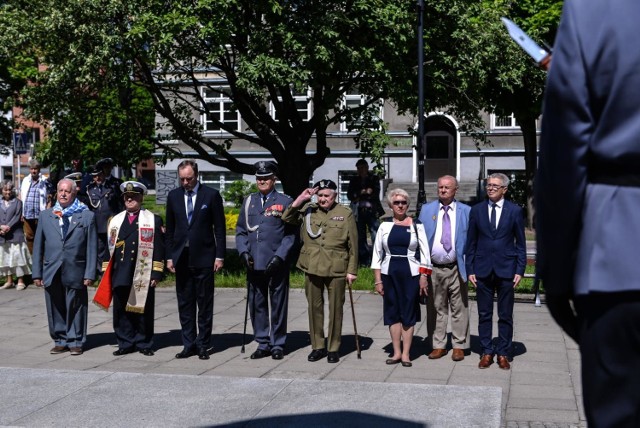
(344, 177)
(218, 180)
(219, 109)
(303, 105)
(354, 99)
(498, 122)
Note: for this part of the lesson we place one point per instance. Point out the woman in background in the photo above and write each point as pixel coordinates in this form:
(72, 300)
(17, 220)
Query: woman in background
(15, 258)
(401, 263)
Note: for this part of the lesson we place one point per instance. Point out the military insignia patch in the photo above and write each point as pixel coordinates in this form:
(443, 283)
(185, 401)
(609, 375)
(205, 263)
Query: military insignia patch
(337, 218)
(274, 211)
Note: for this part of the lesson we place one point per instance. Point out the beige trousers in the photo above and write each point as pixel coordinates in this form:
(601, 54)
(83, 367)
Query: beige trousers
(448, 291)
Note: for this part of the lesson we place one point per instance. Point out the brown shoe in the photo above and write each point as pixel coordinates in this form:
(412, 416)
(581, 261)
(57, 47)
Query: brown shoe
(437, 353)
(457, 355)
(485, 361)
(76, 350)
(58, 349)
(503, 362)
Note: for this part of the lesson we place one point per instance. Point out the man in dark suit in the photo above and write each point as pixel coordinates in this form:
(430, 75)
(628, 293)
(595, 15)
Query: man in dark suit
(588, 199)
(496, 257)
(136, 246)
(195, 241)
(264, 243)
(64, 262)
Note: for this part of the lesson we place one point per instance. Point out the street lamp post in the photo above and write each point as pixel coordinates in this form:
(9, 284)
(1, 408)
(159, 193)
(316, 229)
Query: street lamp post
(420, 141)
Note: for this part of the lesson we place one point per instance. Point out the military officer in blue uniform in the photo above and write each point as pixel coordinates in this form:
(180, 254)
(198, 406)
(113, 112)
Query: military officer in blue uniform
(264, 243)
(104, 198)
(136, 246)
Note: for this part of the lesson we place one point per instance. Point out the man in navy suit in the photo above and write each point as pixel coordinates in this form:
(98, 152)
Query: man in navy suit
(195, 247)
(264, 243)
(65, 256)
(496, 257)
(446, 221)
(588, 199)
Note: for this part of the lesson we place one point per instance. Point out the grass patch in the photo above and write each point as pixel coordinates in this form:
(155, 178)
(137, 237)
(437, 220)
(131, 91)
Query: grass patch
(233, 275)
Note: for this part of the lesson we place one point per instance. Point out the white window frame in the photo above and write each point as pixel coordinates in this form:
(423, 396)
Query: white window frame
(223, 111)
(300, 100)
(495, 119)
(357, 99)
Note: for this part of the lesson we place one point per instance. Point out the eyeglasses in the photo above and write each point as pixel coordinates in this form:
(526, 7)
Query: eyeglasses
(400, 202)
(494, 186)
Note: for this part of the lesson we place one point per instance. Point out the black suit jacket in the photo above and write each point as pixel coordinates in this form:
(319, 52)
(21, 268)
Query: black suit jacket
(205, 234)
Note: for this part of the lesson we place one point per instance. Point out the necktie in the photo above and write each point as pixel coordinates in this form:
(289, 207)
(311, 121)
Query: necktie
(189, 206)
(446, 229)
(493, 217)
(65, 226)
(264, 200)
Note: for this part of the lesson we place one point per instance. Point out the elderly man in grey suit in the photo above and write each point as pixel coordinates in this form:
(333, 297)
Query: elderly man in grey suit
(64, 262)
(446, 222)
(588, 199)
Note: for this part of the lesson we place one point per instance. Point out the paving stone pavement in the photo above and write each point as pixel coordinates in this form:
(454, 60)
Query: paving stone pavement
(541, 390)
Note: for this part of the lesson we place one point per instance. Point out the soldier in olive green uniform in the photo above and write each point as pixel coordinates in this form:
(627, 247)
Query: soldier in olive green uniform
(329, 258)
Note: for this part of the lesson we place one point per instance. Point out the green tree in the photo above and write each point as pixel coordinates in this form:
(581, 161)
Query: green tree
(236, 192)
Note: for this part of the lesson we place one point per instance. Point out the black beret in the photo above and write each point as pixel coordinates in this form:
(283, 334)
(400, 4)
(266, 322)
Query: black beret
(326, 184)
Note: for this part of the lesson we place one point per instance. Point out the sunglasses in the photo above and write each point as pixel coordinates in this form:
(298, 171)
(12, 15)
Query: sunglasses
(400, 202)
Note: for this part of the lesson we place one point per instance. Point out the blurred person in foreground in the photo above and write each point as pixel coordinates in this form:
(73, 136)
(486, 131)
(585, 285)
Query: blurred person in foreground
(401, 264)
(329, 259)
(588, 199)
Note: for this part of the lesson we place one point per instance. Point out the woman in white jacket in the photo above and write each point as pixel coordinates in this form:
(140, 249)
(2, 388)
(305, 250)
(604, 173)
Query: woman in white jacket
(401, 263)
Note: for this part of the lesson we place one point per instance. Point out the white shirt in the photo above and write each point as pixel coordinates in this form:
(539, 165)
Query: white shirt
(438, 253)
(499, 205)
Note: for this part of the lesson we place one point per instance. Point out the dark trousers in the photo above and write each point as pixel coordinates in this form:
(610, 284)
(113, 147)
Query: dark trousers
(194, 289)
(270, 328)
(367, 221)
(67, 313)
(610, 349)
(486, 288)
(133, 329)
(29, 228)
(103, 250)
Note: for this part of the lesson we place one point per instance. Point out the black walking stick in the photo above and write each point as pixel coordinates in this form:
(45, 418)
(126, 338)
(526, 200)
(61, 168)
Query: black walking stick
(355, 327)
(246, 310)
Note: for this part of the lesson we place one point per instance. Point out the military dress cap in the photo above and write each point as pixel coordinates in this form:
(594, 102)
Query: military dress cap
(96, 169)
(75, 176)
(326, 184)
(103, 162)
(133, 187)
(266, 168)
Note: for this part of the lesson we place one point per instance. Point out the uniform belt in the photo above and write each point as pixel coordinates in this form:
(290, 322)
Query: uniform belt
(613, 175)
(445, 265)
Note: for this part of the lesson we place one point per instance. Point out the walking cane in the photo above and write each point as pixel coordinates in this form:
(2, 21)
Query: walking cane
(355, 327)
(246, 310)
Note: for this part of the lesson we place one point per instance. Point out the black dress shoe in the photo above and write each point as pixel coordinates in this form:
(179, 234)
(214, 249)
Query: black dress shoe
(147, 351)
(186, 353)
(317, 354)
(333, 357)
(277, 354)
(203, 354)
(124, 351)
(260, 353)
